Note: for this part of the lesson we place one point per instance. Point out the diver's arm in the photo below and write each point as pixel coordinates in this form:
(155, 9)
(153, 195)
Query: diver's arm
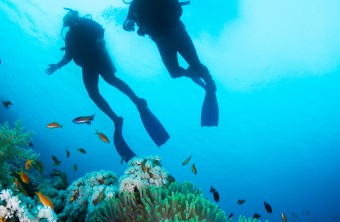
(54, 67)
(66, 59)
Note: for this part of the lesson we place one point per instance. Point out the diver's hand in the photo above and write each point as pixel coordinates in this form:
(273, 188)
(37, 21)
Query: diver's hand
(129, 25)
(51, 69)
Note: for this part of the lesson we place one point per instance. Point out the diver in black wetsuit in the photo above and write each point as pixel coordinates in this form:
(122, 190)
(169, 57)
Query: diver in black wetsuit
(161, 20)
(86, 46)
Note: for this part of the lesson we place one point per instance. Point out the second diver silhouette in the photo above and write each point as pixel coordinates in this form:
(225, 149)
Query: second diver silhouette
(161, 21)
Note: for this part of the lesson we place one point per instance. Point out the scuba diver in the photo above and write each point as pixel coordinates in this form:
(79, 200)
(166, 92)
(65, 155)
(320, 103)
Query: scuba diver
(161, 21)
(84, 44)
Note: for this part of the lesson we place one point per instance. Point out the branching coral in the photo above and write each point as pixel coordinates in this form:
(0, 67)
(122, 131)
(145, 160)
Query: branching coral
(12, 207)
(14, 148)
(176, 202)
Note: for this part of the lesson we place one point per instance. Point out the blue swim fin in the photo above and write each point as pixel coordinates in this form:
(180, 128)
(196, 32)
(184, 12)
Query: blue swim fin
(122, 148)
(153, 126)
(210, 111)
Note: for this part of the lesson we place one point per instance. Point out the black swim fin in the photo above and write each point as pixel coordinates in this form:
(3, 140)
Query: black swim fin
(210, 111)
(122, 148)
(153, 126)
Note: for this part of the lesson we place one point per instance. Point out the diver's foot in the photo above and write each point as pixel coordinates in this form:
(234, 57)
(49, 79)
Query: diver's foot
(119, 125)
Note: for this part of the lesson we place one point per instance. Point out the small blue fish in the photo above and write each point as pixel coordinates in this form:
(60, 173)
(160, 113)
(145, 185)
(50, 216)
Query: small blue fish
(83, 119)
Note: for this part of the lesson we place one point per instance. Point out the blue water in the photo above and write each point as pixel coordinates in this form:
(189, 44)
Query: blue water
(276, 65)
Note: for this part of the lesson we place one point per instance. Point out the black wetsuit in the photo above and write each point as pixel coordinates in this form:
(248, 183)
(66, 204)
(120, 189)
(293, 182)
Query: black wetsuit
(82, 46)
(161, 20)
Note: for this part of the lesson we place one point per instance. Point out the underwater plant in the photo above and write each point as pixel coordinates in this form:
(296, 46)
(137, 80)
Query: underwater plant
(14, 150)
(175, 202)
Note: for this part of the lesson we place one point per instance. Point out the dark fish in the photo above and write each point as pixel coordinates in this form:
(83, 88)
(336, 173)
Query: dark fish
(56, 161)
(230, 215)
(186, 161)
(63, 48)
(75, 167)
(0, 61)
(268, 207)
(83, 119)
(7, 104)
(67, 153)
(215, 194)
(193, 168)
(30, 144)
(256, 216)
(241, 201)
(82, 150)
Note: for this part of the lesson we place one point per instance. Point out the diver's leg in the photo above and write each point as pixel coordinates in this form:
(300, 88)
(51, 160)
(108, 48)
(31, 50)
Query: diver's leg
(90, 79)
(108, 73)
(187, 49)
(168, 52)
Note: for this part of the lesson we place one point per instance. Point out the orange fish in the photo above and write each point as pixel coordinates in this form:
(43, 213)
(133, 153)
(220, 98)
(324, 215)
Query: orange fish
(17, 183)
(284, 218)
(102, 137)
(45, 200)
(193, 168)
(28, 164)
(53, 125)
(24, 177)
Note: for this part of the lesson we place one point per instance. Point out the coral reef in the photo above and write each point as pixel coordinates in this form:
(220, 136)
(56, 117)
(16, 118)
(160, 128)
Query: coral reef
(175, 202)
(82, 196)
(146, 192)
(21, 208)
(143, 172)
(14, 150)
